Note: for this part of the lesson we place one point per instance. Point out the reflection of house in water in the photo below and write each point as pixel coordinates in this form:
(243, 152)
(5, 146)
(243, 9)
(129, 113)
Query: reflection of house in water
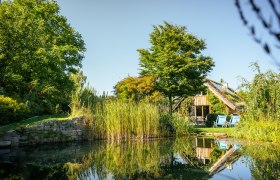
(202, 107)
(202, 157)
(204, 147)
(225, 159)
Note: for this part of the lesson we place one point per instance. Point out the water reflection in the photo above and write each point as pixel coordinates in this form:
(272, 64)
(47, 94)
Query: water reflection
(181, 158)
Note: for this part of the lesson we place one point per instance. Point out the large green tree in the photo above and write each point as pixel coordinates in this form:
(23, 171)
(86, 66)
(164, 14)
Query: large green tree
(39, 51)
(175, 59)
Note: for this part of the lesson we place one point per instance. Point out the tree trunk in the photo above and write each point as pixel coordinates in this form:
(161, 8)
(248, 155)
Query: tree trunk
(170, 104)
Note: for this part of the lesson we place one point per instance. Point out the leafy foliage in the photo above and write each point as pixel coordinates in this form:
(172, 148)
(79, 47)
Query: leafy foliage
(39, 51)
(138, 88)
(217, 106)
(211, 118)
(263, 95)
(11, 110)
(261, 122)
(176, 61)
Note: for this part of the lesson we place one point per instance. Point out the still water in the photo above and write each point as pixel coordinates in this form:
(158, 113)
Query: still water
(181, 158)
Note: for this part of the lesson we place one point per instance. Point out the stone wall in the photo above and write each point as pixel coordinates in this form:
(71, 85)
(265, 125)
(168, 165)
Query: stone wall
(52, 131)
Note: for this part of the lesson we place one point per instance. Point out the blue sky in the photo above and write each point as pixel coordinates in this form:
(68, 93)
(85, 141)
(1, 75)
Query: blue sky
(114, 29)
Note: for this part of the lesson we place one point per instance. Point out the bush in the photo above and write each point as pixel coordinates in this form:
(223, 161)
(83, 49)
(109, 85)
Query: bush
(11, 110)
(210, 119)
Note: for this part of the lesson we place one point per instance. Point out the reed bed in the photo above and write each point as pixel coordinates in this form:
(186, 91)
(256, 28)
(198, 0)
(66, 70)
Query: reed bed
(117, 119)
(258, 130)
(114, 119)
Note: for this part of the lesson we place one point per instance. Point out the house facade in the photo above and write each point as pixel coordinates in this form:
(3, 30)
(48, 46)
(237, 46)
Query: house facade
(202, 107)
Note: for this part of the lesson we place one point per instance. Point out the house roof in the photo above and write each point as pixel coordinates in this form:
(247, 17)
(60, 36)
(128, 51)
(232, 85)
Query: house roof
(224, 93)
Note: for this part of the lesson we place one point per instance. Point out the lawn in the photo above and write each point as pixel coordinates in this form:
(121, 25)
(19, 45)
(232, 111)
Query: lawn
(228, 131)
(33, 120)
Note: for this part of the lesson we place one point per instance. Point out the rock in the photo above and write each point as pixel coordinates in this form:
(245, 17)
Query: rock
(46, 132)
(5, 143)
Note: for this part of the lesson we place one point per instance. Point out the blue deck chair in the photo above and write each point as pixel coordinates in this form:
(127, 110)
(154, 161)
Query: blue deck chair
(234, 120)
(222, 144)
(221, 121)
(235, 146)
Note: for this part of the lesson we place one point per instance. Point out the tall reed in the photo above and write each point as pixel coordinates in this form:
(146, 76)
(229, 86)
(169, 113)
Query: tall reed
(117, 119)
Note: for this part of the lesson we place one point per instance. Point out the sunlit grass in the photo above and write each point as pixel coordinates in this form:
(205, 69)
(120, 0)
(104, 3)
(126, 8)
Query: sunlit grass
(33, 120)
(228, 131)
(258, 130)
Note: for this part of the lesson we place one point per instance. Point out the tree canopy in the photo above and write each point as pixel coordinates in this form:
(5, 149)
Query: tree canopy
(176, 61)
(138, 88)
(39, 51)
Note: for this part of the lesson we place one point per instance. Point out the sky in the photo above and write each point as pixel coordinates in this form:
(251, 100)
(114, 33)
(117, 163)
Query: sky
(113, 30)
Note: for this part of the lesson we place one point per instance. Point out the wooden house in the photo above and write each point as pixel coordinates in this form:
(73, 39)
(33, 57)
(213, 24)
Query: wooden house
(202, 107)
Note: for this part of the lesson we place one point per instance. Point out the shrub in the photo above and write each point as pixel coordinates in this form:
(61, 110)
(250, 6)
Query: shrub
(210, 119)
(11, 110)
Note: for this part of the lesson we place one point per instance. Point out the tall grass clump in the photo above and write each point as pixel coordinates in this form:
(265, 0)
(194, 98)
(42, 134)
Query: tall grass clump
(84, 102)
(84, 99)
(118, 119)
(176, 123)
(262, 119)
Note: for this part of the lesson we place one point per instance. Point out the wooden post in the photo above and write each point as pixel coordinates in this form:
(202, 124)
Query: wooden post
(202, 112)
(195, 113)
(203, 142)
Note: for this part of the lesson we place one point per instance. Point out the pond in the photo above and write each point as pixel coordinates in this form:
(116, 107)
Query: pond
(181, 158)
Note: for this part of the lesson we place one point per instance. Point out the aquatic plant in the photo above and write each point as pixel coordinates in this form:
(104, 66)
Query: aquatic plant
(118, 119)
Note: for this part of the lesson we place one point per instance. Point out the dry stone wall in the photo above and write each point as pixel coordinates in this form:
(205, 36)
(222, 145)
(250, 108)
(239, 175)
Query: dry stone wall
(52, 131)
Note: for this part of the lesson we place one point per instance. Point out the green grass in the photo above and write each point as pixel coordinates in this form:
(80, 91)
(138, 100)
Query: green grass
(33, 120)
(265, 129)
(228, 131)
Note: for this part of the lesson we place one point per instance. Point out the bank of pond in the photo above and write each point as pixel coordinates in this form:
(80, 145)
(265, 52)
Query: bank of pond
(121, 124)
(172, 158)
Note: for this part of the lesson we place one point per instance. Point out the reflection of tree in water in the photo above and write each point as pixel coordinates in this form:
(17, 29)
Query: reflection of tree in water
(264, 161)
(146, 160)
(45, 162)
(171, 159)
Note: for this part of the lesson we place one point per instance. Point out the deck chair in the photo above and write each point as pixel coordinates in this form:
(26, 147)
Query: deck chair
(221, 121)
(222, 144)
(234, 120)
